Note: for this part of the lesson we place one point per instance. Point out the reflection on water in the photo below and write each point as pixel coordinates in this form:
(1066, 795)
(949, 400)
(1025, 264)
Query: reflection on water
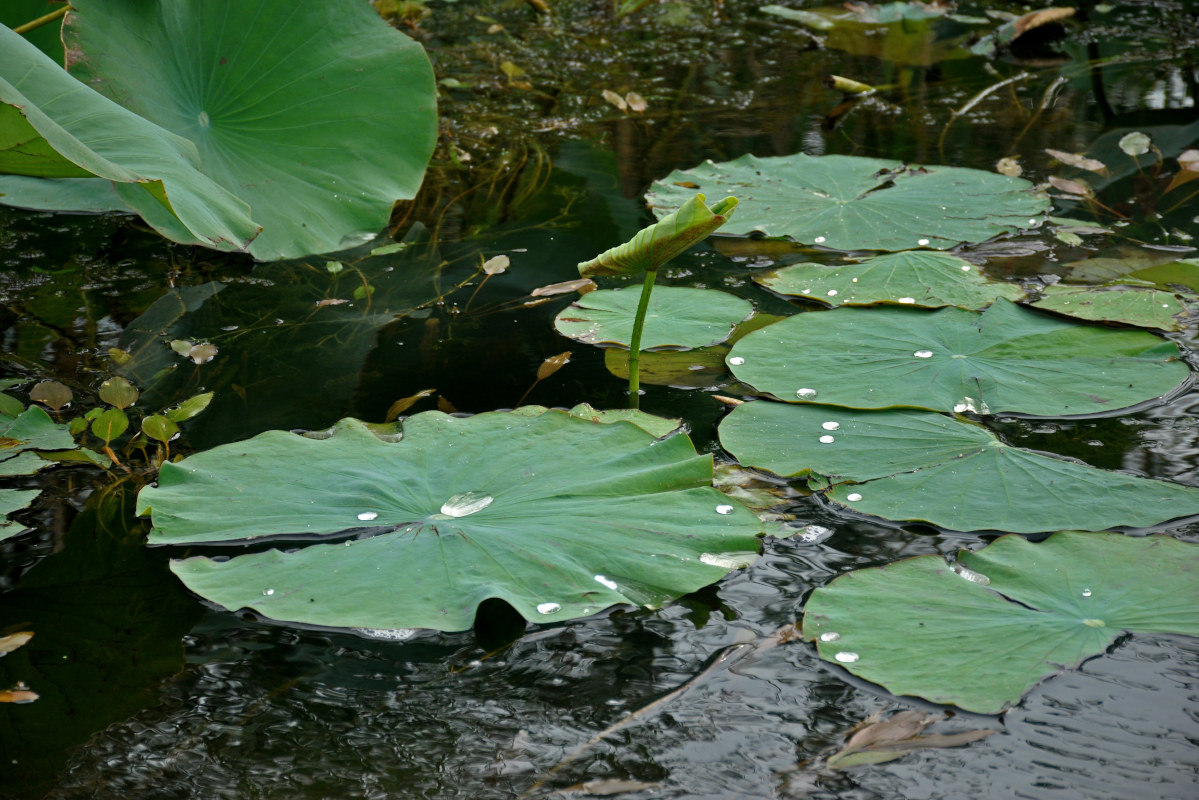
(272, 712)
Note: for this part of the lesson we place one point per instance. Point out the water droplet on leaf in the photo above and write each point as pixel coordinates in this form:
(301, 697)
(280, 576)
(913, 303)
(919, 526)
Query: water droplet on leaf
(826, 439)
(853, 497)
(831, 426)
(831, 636)
(600, 579)
(736, 361)
(367, 516)
(549, 608)
(923, 354)
(466, 503)
(805, 393)
(846, 657)
(724, 509)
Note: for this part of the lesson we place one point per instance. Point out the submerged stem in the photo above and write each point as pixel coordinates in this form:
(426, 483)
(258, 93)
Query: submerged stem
(40, 21)
(635, 342)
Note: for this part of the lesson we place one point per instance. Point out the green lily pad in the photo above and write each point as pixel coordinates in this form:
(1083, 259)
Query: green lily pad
(320, 121)
(678, 317)
(1009, 616)
(1143, 306)
(925, 467)
(854, 203)
(81, 195)
(558, 516)
(913, 277)
(1006, 359)
(12, 500)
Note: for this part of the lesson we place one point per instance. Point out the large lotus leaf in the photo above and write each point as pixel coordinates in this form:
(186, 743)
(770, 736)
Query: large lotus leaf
(51, 125)
(678, 316)
(320, 116)
(1006, 359)
(854, 203)
(982, 636)
(82, 195)
(1142, 306)
(919, 466)
(12, 500)
(557, 515)
(913, 277)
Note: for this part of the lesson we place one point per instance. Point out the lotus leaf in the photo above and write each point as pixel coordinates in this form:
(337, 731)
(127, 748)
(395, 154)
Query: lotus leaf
(12, 500)
(559, 516)
(1006, 359)
(980, 634)
(854, 203)
(678, 317)
(913, 277)
(1142, 306)
(919, 466)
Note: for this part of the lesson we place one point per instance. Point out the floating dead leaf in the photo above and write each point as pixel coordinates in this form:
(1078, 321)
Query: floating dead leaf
(1068, 186)
(202, 353)
(839, 83)
(51, 394)
(1135, 144)
(580, 285)
(495, 27)
(607, 788)
(552, 365)
(878, 740)
(728, 401)
(331, 301)
(636, 102)
(445, 406)
(405, 403)
(17, 694)
(1075, 160)
(1009, 166)
(496, 264)
(1188, 169)
(1043, 16)
(614, 99)
(14, 640)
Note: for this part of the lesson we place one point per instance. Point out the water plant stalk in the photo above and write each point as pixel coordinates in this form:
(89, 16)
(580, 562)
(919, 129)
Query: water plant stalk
(635, 342)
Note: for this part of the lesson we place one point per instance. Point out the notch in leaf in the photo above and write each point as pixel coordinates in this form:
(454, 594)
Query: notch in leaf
(652, 247)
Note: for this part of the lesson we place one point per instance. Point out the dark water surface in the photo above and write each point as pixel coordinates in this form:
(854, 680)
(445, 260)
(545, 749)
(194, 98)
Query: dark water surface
(146, 692)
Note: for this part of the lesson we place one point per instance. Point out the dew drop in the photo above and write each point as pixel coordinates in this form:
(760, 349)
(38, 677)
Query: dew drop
(367, 516)
(826, 439)
(907, 300)
(1086, 592)
(923, 354)
(964, 572)
(466, 503)
(922, 242)
(831, 426)
(548, 608)
(853, 497)
(831, 636)
(805, 393)
(268, 592)
(853, 280)
(736, 361)
(724, 509)
(846, 657)
(819, 240)
(832, 292)
(611, 584)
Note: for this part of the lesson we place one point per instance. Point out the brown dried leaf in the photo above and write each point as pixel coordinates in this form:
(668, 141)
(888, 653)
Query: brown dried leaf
(1041, 17)
(605, 788)
(13, 641)
(1009, 166)
(580, 285)
(894, 728)
(17, 694)
(332, 301)
(615, 99)
(405, 403)
(1068, 186)
(202, 353)
(1188, 169)
(445, 406)
(552, 365)
(51, 394)
(1075, 160)
(876, 741)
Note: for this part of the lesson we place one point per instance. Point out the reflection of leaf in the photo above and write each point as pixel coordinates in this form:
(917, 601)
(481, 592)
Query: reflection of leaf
(1010, 615)
(854, 203)
(920, 466)
(558, 516)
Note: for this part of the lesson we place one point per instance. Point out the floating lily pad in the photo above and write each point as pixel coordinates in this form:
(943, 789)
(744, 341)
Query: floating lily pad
(559, 516)
(1143, 306)
(678, 317)
(982, 636)
(12, 500)
(854, 203)
(1006, 359)
(913, 277)
(919, 466)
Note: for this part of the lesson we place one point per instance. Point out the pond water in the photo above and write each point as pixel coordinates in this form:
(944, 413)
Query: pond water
(145, 691)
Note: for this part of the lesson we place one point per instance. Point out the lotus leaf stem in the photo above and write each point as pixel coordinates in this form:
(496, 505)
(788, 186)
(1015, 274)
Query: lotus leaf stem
(635, 342)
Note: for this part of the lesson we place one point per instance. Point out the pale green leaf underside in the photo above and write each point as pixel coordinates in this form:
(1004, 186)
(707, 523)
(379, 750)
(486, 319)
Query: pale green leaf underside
(918, 628)
(678, 317)
(1141, 306)
(583, 515)
(913, 277)
(1006, 359)
(855, 203)
(924, 467)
